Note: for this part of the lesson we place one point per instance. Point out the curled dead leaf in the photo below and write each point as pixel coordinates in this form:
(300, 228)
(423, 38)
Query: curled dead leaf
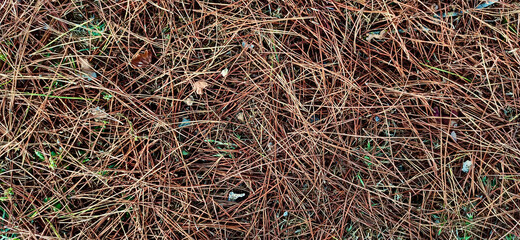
(84, 65)
(199, 86)
(86, 68)
(376, 35)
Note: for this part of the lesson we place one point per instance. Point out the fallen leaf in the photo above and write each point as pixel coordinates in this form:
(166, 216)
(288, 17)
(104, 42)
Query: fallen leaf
(86, 68)
(199, 86)
(84, 65)
(376, 35)
(224, 72)
(142, 60)
(240, 116)
(454, 136)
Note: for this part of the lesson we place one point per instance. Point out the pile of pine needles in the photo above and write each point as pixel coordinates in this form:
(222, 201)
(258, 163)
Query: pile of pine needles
(360, 119)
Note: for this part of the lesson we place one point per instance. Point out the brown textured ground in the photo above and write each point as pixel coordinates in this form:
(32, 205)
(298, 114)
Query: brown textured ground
(333, 120)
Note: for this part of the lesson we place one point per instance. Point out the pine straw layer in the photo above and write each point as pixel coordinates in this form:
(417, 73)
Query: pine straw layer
(330, 129)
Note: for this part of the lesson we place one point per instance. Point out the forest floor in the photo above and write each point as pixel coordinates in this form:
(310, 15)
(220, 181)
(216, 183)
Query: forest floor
(361, 119)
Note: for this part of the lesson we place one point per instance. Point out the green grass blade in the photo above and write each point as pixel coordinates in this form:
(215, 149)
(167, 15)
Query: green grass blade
(448, 72)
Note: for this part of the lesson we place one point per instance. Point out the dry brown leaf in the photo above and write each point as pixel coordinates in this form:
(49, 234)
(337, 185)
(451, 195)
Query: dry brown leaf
(241, 117)
(142, 60)
(199, 86)
(84, 65)
(86, 68)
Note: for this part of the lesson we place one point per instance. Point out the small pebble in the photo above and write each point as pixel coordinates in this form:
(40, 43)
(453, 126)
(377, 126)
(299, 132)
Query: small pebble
(224, 72)
(466, 166)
